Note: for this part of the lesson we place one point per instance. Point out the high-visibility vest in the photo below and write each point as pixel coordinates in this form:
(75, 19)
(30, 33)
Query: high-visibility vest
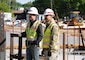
(47, 36)
(31, 31)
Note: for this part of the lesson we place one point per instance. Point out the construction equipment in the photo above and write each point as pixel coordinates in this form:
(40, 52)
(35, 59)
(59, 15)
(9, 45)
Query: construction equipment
(76, 20)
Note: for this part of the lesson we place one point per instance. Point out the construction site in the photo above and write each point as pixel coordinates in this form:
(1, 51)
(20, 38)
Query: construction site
(72, 39)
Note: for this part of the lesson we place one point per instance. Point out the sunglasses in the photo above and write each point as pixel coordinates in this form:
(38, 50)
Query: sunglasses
(48, 15)
(32, 14)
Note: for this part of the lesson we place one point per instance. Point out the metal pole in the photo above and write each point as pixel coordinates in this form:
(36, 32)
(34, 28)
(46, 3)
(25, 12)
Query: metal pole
(64, 40)
(9, 5)
(11, 46)
(20, 48)
(51, 4)
(20, 44)
(12, 42)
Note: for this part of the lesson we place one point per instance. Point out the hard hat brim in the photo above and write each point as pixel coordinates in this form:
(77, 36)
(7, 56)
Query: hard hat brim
(49, 14)
(32, 13)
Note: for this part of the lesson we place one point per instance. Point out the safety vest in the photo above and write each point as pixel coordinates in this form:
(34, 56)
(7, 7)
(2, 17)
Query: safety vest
(47, 36)
(31, 31)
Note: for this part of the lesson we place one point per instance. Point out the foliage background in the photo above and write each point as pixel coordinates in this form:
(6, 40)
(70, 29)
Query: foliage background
(62, 7)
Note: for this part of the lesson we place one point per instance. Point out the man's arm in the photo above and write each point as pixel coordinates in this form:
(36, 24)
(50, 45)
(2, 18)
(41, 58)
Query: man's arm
(39, 34)
(55, 37)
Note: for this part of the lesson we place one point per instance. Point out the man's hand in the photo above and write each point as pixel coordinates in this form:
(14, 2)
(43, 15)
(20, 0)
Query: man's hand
(35, 42)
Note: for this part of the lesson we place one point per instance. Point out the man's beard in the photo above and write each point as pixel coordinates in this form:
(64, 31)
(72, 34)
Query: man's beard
(48, 22)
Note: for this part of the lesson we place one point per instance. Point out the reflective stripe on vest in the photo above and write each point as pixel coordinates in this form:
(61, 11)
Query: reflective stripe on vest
(31, 32)
(47, 35)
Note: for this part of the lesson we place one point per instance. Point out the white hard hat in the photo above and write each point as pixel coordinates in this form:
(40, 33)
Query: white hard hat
(33, 10)
(49, 11)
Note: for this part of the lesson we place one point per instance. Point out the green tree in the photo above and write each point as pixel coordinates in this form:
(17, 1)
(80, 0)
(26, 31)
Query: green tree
(82, 7)
(14, 5)
(42, 5)
(27, 5)
(63, 7)
(4, 7)
(3, 1)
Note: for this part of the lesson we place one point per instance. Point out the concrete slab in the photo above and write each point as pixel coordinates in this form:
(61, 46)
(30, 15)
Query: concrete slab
(68, 55)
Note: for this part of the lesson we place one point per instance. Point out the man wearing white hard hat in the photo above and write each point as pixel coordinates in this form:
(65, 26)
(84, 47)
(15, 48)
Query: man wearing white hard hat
(34, 35)
(51, 36)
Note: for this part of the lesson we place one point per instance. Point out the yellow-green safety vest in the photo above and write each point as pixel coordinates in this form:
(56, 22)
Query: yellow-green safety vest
(31, 31)
(47, 36)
